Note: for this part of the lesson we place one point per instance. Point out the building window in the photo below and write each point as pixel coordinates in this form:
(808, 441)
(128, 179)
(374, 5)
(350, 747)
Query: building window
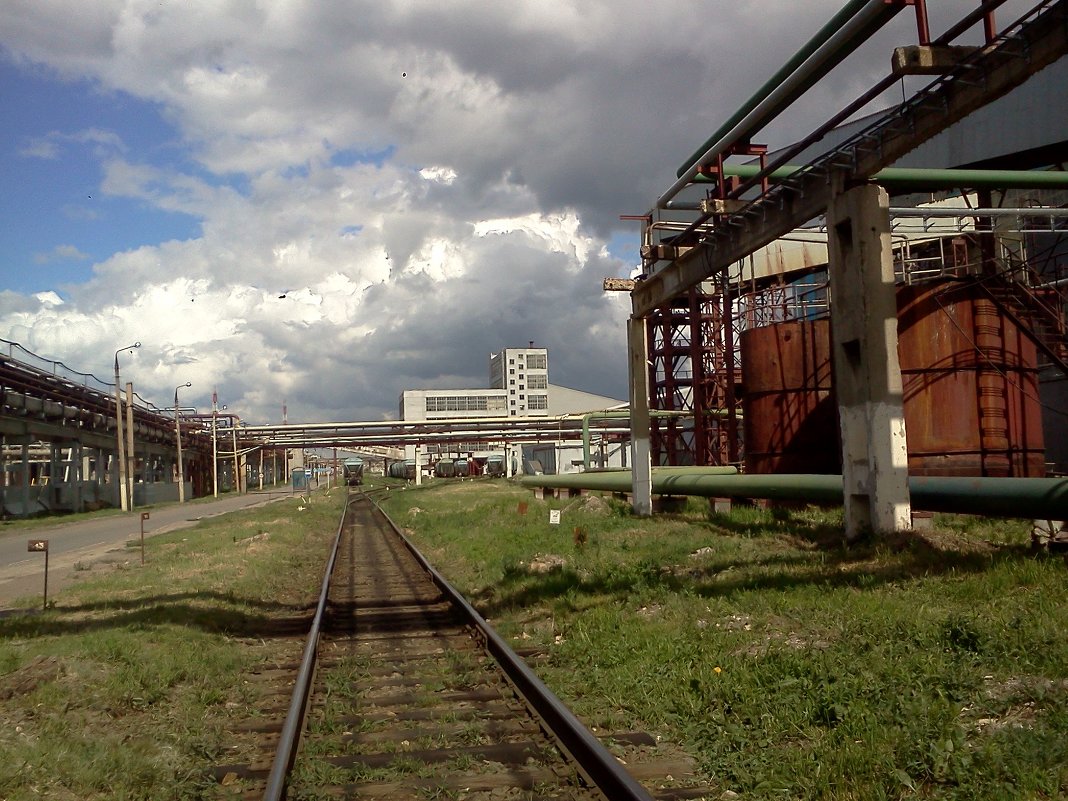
(538, 402)
(538, 382)
(536, 361)
(464, 403)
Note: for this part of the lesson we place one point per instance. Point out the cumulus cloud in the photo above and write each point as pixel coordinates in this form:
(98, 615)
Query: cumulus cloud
(60, 253)
(424, 183)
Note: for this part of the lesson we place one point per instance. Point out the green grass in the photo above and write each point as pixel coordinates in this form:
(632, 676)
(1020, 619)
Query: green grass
(124, 688)
(787, 664)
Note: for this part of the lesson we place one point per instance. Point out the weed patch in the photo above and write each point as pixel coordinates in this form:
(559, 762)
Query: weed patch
(123, 688)
(784, 662)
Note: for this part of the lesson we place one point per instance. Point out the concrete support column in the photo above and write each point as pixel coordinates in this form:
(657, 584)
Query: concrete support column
(418, 467)
(25, 478)
(3, 475)
(867, 374)
(77, 475)
(642, 481)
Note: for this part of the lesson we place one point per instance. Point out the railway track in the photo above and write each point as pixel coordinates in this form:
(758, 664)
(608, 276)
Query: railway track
(404, 692)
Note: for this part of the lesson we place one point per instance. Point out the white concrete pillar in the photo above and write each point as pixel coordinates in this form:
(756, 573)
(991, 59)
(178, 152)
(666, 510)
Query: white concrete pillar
(418, 466)
(642, 476)
(867, 373)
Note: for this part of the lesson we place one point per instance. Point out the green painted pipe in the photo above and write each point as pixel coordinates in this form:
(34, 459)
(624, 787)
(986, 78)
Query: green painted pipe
(847, 13)
(919, 178)
(1037, 498)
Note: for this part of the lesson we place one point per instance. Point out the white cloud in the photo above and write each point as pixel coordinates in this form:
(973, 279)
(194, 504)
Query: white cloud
(425, 182)
(46, 149)
(60, 253)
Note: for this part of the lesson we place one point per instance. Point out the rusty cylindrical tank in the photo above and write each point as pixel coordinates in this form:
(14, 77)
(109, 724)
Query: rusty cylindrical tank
(969, 376)
(789, 412)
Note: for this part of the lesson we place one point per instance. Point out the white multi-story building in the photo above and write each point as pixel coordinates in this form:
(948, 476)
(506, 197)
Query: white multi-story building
(518, 387)
(524, 374)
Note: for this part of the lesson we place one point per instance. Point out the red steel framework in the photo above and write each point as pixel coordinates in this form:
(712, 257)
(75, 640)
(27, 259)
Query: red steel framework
(692, 369)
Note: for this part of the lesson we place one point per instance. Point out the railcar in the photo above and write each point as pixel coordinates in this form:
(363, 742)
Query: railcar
(353, 471)
(461, 468)
(445, 468)
(404, 469)
(494, 466)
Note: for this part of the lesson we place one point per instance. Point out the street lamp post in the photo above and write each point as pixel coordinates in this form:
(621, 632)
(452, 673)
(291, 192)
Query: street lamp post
(124, 502)
(178, 437)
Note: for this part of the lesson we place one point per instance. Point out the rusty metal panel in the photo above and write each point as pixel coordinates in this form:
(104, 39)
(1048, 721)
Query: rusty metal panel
(970, 383)
(790, 414)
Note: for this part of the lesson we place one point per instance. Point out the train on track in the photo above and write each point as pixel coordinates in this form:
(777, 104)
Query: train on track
(447, 467)
(353, 471)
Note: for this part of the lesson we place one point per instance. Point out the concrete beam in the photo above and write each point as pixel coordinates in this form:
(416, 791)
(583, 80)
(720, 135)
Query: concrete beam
(927, 59)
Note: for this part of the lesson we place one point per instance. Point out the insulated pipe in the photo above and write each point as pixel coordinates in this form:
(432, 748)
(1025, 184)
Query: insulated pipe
(913, 178)
(844, 15)
(857, 22)
(1038, 498)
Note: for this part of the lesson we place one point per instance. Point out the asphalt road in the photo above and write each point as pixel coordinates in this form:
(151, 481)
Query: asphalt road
(95, 540)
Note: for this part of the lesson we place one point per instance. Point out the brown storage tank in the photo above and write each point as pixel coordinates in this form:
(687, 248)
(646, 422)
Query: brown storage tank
(790, 414)
(970, 379)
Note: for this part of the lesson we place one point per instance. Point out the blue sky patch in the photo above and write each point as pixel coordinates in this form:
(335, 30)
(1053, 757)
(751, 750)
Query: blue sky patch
(55, 137)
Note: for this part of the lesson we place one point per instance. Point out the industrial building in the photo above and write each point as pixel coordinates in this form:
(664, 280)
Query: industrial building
(518, 387)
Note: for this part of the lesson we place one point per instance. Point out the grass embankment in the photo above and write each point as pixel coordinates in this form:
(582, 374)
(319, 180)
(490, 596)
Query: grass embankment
(788, 665)
(123, 689)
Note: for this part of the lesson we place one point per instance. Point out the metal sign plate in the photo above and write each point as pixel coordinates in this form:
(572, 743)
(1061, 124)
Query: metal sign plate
(37, 545)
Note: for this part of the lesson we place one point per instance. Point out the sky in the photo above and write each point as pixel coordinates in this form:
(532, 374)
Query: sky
(323, 204)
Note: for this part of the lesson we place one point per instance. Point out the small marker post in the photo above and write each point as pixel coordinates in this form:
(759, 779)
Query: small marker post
(41, 546)
(144, 517)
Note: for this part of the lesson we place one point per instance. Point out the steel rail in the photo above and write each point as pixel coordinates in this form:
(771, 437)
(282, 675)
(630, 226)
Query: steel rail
(290, 735)
(594, 761)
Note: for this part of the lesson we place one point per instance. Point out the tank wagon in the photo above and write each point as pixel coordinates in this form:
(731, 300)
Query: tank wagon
(353, 471)
(405, 469)
(494, 466)
(445, 468)
(462, 468)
